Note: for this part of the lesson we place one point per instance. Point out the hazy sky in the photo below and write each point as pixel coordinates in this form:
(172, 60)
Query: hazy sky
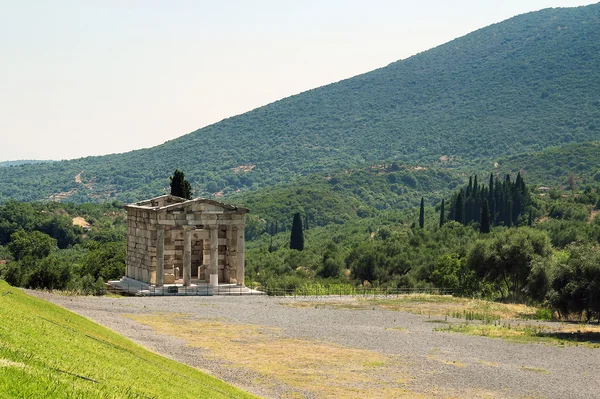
(83, 78)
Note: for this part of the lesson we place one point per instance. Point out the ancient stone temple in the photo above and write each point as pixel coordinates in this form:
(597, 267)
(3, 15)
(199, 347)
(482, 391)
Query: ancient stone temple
(171, 240)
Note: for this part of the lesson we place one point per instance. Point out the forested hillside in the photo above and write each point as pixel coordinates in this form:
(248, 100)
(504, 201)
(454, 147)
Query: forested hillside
(522, 85)
(553, 166)
(496, 237)
(547, 253)
(338, 198)
(21, 162)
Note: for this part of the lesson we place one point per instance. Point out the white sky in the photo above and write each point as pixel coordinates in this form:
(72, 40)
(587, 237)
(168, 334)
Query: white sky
(81, 78)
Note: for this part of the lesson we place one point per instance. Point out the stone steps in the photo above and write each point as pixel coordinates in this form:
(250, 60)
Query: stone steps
(128, 286)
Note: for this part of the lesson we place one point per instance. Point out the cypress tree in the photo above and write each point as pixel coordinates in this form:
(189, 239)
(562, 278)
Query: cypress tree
(422, 213)
(530, 219)
(180, 187)
(484, 227)
(469, 207)
(475, 187)
(469, 187)
(297, 236)
(459, 208)
(491, 199)
(523, 188)
(508, 216)
(499, 199)
(442, 216)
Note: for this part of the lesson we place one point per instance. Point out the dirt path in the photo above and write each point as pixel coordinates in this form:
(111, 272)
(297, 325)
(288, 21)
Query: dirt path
(273, 348)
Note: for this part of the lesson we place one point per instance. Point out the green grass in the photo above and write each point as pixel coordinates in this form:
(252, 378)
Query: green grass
(47, 351)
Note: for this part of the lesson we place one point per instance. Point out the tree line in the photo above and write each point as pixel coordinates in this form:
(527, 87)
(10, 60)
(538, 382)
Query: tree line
(500, 203)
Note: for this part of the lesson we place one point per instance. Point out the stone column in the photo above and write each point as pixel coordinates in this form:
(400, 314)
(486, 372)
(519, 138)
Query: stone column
(240, 266)
(187, 256)
(160, 255)
(213, 269)
(230, 254)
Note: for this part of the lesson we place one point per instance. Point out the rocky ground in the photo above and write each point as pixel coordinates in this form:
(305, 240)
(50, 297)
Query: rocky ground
(287, 348)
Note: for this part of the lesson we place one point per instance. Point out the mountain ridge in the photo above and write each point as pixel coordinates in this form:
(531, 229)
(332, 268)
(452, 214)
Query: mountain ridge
(519, 85)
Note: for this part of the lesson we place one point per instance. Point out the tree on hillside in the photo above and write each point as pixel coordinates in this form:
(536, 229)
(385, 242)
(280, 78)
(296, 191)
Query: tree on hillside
(33, 244)
(180, 187)
(575, 282)
(332, 261)
(507, 202)
(442, 216)
(484, 227)
(297, 236)
(491, 198)
(459, 208)
(571, 182)
(422, 213)
(506, 259)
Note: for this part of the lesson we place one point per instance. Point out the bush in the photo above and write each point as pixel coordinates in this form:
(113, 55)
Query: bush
(452, 272)
(569, 211)
(13, 274)
(544, 314)
(106, 261)
(49, 274)
(575, 283)
(332, 263)
(34, 244)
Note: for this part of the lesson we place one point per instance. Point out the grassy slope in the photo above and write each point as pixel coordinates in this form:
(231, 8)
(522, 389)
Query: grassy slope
(521, 85)
(47, 351)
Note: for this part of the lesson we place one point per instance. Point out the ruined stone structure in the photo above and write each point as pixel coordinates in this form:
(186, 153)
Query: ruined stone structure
(173, 240)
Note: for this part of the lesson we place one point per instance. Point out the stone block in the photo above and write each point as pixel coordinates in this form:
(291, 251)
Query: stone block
(169, 278)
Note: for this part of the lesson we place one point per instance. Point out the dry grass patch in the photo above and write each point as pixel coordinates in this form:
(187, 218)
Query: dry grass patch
(438, 305)
(437, 355)
(432, 305)
(448, 362)
(491, 364)
(401, 329)
(535, 370)
(554, 334)
(81, 222)
(319, 369)
(8, 363)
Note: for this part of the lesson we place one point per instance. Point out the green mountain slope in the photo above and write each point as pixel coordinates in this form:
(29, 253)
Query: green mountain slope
(553, 165)
(524, 84)
(21, 162)
(340, 197)
(49, 352)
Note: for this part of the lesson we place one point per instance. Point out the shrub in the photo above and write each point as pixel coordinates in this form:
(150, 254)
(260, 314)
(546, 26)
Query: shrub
(49, 273)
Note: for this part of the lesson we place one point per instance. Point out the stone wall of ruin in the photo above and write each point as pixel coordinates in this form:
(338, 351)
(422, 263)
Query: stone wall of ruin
(141, 245)
(199, 220)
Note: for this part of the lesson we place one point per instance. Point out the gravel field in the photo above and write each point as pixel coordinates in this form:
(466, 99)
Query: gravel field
(433, 364)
